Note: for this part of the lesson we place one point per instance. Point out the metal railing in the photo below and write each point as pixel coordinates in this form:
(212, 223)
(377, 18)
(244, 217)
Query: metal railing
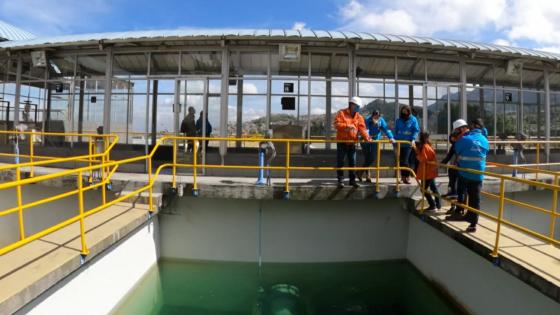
(99, 149)
(108, 168)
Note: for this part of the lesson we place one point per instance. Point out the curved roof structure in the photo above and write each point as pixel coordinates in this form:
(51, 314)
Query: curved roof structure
(276, 34)
(9, 32)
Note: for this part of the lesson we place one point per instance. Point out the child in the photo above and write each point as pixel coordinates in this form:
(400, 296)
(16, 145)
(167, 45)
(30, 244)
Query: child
(427, 171)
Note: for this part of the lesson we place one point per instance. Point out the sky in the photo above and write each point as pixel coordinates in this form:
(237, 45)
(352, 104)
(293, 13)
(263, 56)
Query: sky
(524, 23)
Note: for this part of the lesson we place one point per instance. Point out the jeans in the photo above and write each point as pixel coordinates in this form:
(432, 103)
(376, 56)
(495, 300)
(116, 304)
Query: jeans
(470, 188)
(431, 184)
(344, 151)
(370, 153)
(404, 160)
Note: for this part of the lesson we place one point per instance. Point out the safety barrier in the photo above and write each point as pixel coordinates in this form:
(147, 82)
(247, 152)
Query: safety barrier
(108, 168)
(99, 149)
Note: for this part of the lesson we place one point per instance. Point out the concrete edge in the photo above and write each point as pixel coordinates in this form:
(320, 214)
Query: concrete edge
(29, 294)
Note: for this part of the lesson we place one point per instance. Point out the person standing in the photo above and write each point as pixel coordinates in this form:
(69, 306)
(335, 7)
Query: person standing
(199, 128)
(471, 150)
(427, 170)
(188, 128)
(406, 129)
(375, 125)
(349, 124)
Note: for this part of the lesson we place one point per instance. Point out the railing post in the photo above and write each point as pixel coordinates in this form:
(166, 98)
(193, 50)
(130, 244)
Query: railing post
(150, 185)
(85, 250)
(287, 184)
(103, 186)
(554, 208)
(377, 166)
(195, 155)
(538, 160)
(397, 188)
(31, 138)
(91, 150)
(20, 204)
(174, 163)
(500, 218)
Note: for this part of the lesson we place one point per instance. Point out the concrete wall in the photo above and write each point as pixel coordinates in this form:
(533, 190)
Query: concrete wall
(101, 284)
(44, 216)
(476, 283)
(292, 231)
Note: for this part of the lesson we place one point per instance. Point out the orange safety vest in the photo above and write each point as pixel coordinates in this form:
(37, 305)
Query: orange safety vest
(344, 120)
(425, 155)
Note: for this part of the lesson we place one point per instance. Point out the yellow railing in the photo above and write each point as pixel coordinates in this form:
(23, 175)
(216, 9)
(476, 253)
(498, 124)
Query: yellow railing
(503, 199)
(108, 168)
(29, 138)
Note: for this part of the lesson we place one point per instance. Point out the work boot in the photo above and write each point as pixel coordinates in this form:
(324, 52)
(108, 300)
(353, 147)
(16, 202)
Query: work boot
(405, 180)
(368, 176)
(471, 229)
(455, 217)
(340, 183)
(354, 184)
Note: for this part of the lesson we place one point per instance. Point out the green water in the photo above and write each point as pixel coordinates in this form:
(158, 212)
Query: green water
(210, 288)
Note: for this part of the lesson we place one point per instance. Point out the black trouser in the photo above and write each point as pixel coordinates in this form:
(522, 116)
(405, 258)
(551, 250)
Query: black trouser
(405, 160)
(471, 189)
(453, 180)
(344, 151)
(370, 153)
(431, 184)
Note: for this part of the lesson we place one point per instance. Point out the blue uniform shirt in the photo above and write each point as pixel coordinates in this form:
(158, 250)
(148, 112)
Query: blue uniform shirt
(472, 149)
(406, 129)
(375, 130)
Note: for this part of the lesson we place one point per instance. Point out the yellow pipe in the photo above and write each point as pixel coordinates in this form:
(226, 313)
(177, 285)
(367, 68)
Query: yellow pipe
(85, 250)
(538, 159)
(20, 203)
(90, 153)
(500, 218)
(287, 188)
(554, 208)
(31, 138)
(519, 203)
(103, 190)
(195, 154)
(150, 183)
(397, 188)
(377, 189)
(174, 182)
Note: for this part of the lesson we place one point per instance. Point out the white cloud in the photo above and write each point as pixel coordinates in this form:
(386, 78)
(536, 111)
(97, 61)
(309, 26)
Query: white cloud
(420, 16)
(298, 26)
(502, 42)
(52, 17)
(535, 22)
(250, 88)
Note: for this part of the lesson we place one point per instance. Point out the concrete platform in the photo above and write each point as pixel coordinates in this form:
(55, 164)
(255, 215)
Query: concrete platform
(30, 270)
(527, 258)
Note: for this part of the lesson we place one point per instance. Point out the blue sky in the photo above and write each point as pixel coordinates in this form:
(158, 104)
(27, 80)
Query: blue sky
(525, 23)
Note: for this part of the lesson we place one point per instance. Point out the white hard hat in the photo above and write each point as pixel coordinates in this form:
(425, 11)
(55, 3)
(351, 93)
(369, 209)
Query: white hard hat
(459, 123)
(357, 100)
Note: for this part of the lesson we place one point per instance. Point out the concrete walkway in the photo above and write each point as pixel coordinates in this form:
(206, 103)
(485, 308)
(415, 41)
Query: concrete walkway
(32, 269)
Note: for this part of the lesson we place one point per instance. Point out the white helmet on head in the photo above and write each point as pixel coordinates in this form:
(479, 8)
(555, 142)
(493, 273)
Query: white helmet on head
(459, 123)
(357, 100)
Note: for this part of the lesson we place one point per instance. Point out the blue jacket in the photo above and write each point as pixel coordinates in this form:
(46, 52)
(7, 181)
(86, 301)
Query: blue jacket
(471, 150)
(406, 129)
(375, 130)
(199, 127)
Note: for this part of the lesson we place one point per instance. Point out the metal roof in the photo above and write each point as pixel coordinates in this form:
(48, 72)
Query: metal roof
(263, 34)
(10, 32)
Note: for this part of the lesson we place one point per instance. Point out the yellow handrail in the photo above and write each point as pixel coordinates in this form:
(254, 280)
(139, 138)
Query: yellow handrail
(108, 169)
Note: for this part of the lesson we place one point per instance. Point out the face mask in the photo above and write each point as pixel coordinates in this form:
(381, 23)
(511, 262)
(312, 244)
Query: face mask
(355, 109)
(404, 115)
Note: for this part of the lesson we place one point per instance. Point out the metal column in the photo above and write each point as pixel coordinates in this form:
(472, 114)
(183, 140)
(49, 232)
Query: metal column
(547, 112)
(239, 123)
(224, 96)
(108, 91)
(18, 92)
(463, 76)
